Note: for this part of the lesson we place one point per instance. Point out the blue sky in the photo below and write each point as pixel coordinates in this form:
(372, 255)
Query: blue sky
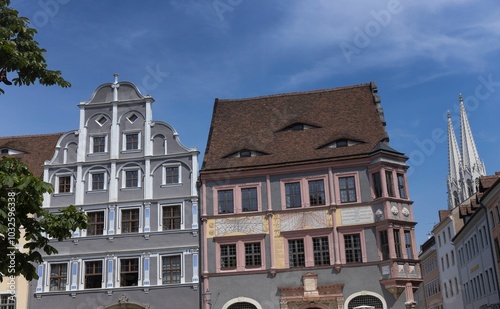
(186, 53)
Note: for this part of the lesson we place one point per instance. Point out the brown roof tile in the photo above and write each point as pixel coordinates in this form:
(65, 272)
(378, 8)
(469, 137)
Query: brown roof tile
(35, 149)
(257, 124)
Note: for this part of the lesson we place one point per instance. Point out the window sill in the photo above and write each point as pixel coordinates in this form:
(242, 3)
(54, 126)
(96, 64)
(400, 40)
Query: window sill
(97, 191)
(63, 194)
(131, 151)
(130, 188)
(166, 185)
(96, 154)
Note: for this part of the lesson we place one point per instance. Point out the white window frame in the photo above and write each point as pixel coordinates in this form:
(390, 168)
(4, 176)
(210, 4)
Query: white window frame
(72, 183)
(105, 231)
(160, 217)
(304, 191)
(164, 174)
(90, 180)
(159, 268)
(124, 177)
(82, 274)
(119, 223)
(118, 270)
(237, 203)
(91, 143)
(124, 141)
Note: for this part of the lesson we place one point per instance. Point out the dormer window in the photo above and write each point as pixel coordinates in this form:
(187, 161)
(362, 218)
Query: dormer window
(4, 151)
(343, 142)
(299, 126)
(245, 153)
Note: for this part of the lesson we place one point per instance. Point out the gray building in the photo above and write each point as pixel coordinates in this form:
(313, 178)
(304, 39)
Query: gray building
(137, 183)
(305, 205)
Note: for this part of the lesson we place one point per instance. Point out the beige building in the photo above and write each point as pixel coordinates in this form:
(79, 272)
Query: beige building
(32, 150)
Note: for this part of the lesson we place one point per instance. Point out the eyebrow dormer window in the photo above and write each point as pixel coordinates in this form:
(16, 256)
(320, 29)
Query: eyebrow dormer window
(4, 151)
(245, 153)
(341, 143)
(299, 126)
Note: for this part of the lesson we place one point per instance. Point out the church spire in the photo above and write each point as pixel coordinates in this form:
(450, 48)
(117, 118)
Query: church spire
(454, 182)
(463, 169)
(472, 165)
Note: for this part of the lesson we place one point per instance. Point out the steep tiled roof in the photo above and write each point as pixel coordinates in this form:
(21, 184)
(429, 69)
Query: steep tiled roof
(262, 124)
(34, 149)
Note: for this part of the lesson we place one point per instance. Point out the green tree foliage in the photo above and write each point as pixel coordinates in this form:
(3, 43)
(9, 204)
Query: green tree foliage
(20, 53)
(21, 197)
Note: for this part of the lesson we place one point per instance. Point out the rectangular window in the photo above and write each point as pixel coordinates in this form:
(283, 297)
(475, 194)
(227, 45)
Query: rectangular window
(97, 181)
(352, 243)
(64, 184)
(347, 189)
(172, 174)
(390, 183)
(95, 223)
(171, 217)
(5, 303)
(249, 199)
(296, 253)
(58, 276)
(132, 179)
(252, 255)
(228, 256)
(130, 221)
(497, 249)
(377, 185)
(317, 192)
(93, 274)
(409, 251)
(225, 201)
(384, 244)
(171, 269)
(132, 141)
(99, 144)
(321, 250)
(401, 186)
(292, 194)
(397, 244)
(129, 272)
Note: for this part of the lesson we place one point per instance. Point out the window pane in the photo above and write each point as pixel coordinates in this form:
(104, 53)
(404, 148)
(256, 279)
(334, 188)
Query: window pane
(64, 184)
(93, 274)
(390, 183)
(225, 200)
(352, 244)
(98, 181)
(129, 272)
(171, 269)
(58, 276)
(292, 192)
(131, 179)
(249, 199)
(401, 186)
(132, 141)
(296, 253)
(171, 217)
(130, 220)
(172, 174)
(384, 244)
(316, 192)
(397, 244)
(409, 251)
(321, 251)
(228, 256)
(99, 144)
(347, 187)
(95, 223)
(252, 255)
(377, 185)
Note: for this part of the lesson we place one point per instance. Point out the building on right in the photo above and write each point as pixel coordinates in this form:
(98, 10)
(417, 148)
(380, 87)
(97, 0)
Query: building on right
(305, 205)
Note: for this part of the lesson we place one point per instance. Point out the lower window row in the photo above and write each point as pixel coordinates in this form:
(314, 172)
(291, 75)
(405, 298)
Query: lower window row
(96, 273)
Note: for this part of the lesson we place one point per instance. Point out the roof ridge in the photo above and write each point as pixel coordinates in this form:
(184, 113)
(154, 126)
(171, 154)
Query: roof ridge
(33, 135)
(298, 92)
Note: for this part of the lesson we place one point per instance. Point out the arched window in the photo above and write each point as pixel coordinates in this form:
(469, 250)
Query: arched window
(366, 300)
(469, 187)
(455, 197)
(242, 305)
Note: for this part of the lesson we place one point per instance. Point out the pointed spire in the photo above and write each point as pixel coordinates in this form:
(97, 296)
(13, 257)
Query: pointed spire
(471, 162)
(454, 181)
